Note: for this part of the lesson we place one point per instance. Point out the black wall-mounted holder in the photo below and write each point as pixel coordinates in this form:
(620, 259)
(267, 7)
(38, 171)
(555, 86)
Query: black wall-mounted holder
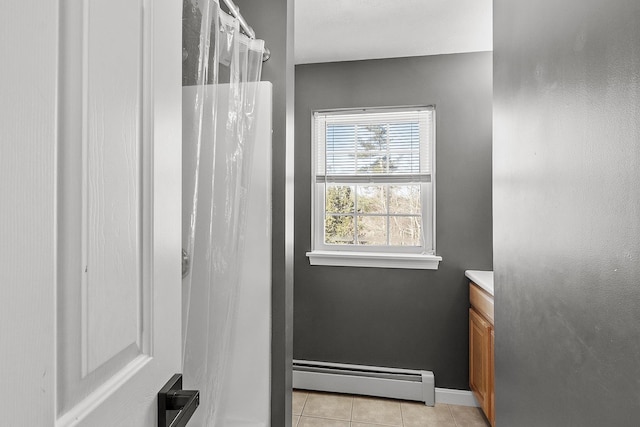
(176, 406)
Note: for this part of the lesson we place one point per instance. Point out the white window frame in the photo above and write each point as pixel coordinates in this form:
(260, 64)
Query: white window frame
(414, 257)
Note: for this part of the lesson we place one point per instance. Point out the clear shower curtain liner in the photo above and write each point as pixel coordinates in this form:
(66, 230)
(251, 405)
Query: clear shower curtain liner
(229, 63)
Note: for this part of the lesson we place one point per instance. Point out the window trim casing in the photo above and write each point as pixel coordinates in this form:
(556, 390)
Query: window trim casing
(355, 256)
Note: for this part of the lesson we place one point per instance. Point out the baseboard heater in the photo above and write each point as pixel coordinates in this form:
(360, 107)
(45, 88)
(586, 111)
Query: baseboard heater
(404, 384)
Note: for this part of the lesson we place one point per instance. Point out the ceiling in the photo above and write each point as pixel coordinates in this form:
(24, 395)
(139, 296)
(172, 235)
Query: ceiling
(347, 30)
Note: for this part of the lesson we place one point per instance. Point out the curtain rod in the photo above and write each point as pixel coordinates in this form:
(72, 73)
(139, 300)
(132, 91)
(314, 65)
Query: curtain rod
(235, 11)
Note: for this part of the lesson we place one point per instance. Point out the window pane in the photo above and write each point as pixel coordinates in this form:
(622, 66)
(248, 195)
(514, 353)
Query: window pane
(341, 137)
(372, 162)
(372, 199)
(341, 163)
(339, 199)
(404, 147)
(340, 154)
(372, 230)
(404, 136)
(404, 231)
(372, 138)
(406, 162)
(405, 199)
(339, 230)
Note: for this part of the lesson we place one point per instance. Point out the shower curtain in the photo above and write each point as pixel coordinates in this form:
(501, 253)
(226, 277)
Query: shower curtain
(223, 147)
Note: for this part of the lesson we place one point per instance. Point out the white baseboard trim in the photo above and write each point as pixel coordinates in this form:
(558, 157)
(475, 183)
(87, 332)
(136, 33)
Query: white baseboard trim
(452, 396)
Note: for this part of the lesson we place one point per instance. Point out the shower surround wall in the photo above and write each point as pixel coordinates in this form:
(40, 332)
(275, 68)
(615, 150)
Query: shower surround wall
(414, 319)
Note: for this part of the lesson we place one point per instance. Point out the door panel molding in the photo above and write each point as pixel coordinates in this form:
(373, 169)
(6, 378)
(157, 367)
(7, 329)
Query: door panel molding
(88, 405)
(106, 153)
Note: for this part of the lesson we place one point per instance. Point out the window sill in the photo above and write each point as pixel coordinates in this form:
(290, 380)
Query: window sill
(374, 259)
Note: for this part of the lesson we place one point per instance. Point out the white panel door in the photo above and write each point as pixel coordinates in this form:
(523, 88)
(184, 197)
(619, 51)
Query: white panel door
(100, 292)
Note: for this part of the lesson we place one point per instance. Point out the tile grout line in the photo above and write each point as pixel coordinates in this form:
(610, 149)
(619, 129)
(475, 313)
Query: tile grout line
(318, 417)
(455, 421)
(351, 412)
(306, 397)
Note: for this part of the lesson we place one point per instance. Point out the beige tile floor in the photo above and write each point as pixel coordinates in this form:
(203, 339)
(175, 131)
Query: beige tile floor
(315, 409)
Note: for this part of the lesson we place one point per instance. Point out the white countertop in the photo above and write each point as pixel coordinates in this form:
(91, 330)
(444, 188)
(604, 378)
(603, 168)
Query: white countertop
(484, 279)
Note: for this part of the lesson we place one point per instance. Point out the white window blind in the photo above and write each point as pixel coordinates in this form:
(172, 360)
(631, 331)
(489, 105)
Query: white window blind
(388, 146)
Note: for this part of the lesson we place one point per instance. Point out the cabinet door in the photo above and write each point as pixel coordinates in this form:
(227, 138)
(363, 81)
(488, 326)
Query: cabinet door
(492, 379)
(479, 358)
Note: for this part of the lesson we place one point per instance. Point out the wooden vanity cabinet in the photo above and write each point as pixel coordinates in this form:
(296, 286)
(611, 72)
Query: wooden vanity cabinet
(481, 358)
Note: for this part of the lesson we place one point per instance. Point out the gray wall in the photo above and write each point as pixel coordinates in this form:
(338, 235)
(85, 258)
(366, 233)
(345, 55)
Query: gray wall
(389, 317)
(272, 21)
(567, 212)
